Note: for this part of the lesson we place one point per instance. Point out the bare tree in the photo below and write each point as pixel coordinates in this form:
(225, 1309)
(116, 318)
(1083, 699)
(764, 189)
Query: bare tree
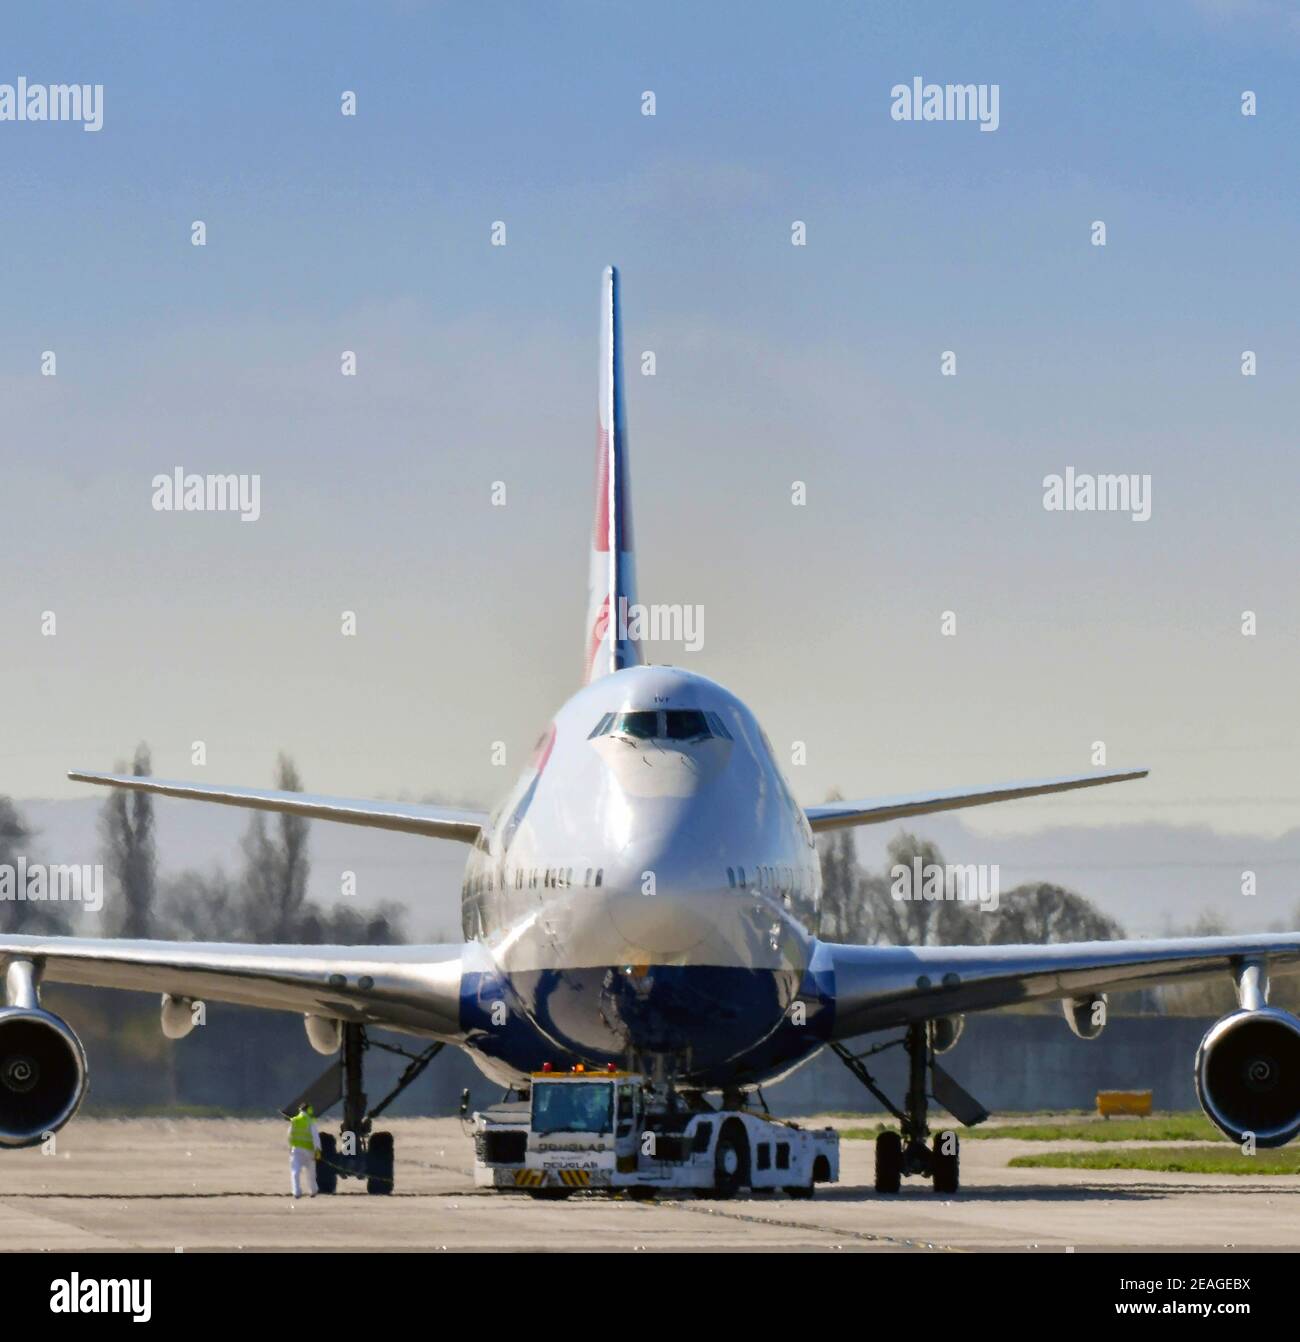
(268, 902)
(917, 921)
(864, 907)
(860, 906)
(276, 867)
(346, 926)
(126, 826)
(214, 906)
(838, 916)
(36, 917)
(1040, 913)
(204, 906)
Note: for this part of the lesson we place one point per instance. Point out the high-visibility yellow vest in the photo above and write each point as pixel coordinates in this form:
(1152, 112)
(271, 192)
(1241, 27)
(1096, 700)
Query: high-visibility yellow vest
(300, 1132)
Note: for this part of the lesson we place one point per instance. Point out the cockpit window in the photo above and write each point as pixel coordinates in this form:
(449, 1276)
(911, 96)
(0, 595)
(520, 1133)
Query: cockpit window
(670, 724)
(685, 724)
(643, 725)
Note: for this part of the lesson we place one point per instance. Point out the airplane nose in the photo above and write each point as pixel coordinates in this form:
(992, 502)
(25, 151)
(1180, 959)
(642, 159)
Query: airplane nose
(659, 895)
(659, 924)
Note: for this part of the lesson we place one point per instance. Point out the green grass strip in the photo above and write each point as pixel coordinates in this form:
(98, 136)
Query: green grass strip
(1175, 1160)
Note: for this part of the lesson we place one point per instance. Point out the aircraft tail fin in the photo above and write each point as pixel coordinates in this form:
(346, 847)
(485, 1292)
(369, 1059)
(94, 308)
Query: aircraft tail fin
(612, 587)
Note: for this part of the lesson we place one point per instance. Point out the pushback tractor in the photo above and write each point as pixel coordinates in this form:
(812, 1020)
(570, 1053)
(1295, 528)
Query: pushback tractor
(617, 1131)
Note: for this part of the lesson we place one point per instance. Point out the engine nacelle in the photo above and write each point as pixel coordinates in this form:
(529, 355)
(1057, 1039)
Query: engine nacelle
(177, 1016)
(324, 1033)
(1248, 1075)
(1086, 1016)
(42, 1075)
(945, 1032)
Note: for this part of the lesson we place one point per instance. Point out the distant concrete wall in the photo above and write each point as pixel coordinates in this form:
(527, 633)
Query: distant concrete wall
(1014, 1062)
(240, 1061)
(245, 1061)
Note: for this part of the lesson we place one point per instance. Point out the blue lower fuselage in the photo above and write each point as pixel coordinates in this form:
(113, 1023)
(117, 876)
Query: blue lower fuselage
(704, 1026)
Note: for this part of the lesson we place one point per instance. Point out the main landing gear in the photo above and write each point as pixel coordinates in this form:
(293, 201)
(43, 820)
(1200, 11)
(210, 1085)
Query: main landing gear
(358, 1152)
(908, 1152)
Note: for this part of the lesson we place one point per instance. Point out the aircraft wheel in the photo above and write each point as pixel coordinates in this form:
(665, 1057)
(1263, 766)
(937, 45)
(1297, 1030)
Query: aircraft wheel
(889, 1162)
(379, 1163)
(327, 1177)
(729, 1163)
(947, 1158)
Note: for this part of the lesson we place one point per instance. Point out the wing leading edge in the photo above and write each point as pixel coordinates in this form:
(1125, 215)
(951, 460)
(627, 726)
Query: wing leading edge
(411, 988)
(436, 822)
(838, 814)
(881, 987)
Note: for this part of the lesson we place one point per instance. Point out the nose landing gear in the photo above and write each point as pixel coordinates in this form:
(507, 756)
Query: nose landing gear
(908, 1151)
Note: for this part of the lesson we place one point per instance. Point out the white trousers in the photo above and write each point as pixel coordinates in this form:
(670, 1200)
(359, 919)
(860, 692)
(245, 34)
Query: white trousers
(302, 1162)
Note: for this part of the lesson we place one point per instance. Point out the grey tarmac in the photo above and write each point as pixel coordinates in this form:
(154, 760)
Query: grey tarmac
(205, 1184)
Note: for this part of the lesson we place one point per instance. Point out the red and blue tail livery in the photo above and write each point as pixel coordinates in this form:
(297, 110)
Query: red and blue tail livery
(612, 585)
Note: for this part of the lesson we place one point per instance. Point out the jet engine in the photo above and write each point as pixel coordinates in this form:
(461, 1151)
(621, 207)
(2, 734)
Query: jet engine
(1086, 1016)
(1248, 1075)
(42, 1075)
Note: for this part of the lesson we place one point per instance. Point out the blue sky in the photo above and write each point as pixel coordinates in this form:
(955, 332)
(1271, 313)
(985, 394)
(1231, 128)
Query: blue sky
(775, 363)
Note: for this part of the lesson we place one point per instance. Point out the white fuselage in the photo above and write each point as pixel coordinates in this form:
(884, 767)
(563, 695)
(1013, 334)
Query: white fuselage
(630, 881)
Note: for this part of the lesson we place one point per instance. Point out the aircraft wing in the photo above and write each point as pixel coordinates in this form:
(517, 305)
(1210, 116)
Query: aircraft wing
(412, 988)
(880, 987)
(838, 814)
(438, 822)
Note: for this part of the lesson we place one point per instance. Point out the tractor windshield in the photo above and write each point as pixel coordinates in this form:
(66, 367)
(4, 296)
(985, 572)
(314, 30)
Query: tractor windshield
(573, 1106)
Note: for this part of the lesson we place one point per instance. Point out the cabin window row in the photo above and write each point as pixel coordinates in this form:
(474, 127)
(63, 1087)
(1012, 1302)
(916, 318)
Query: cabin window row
(538, 878)
(780, 880)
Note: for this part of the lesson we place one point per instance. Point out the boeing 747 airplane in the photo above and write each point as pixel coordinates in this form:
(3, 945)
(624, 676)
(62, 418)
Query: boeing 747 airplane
(637, 903)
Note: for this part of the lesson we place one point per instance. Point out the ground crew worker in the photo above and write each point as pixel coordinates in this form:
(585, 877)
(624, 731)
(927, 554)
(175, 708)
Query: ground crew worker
(304, 1150)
